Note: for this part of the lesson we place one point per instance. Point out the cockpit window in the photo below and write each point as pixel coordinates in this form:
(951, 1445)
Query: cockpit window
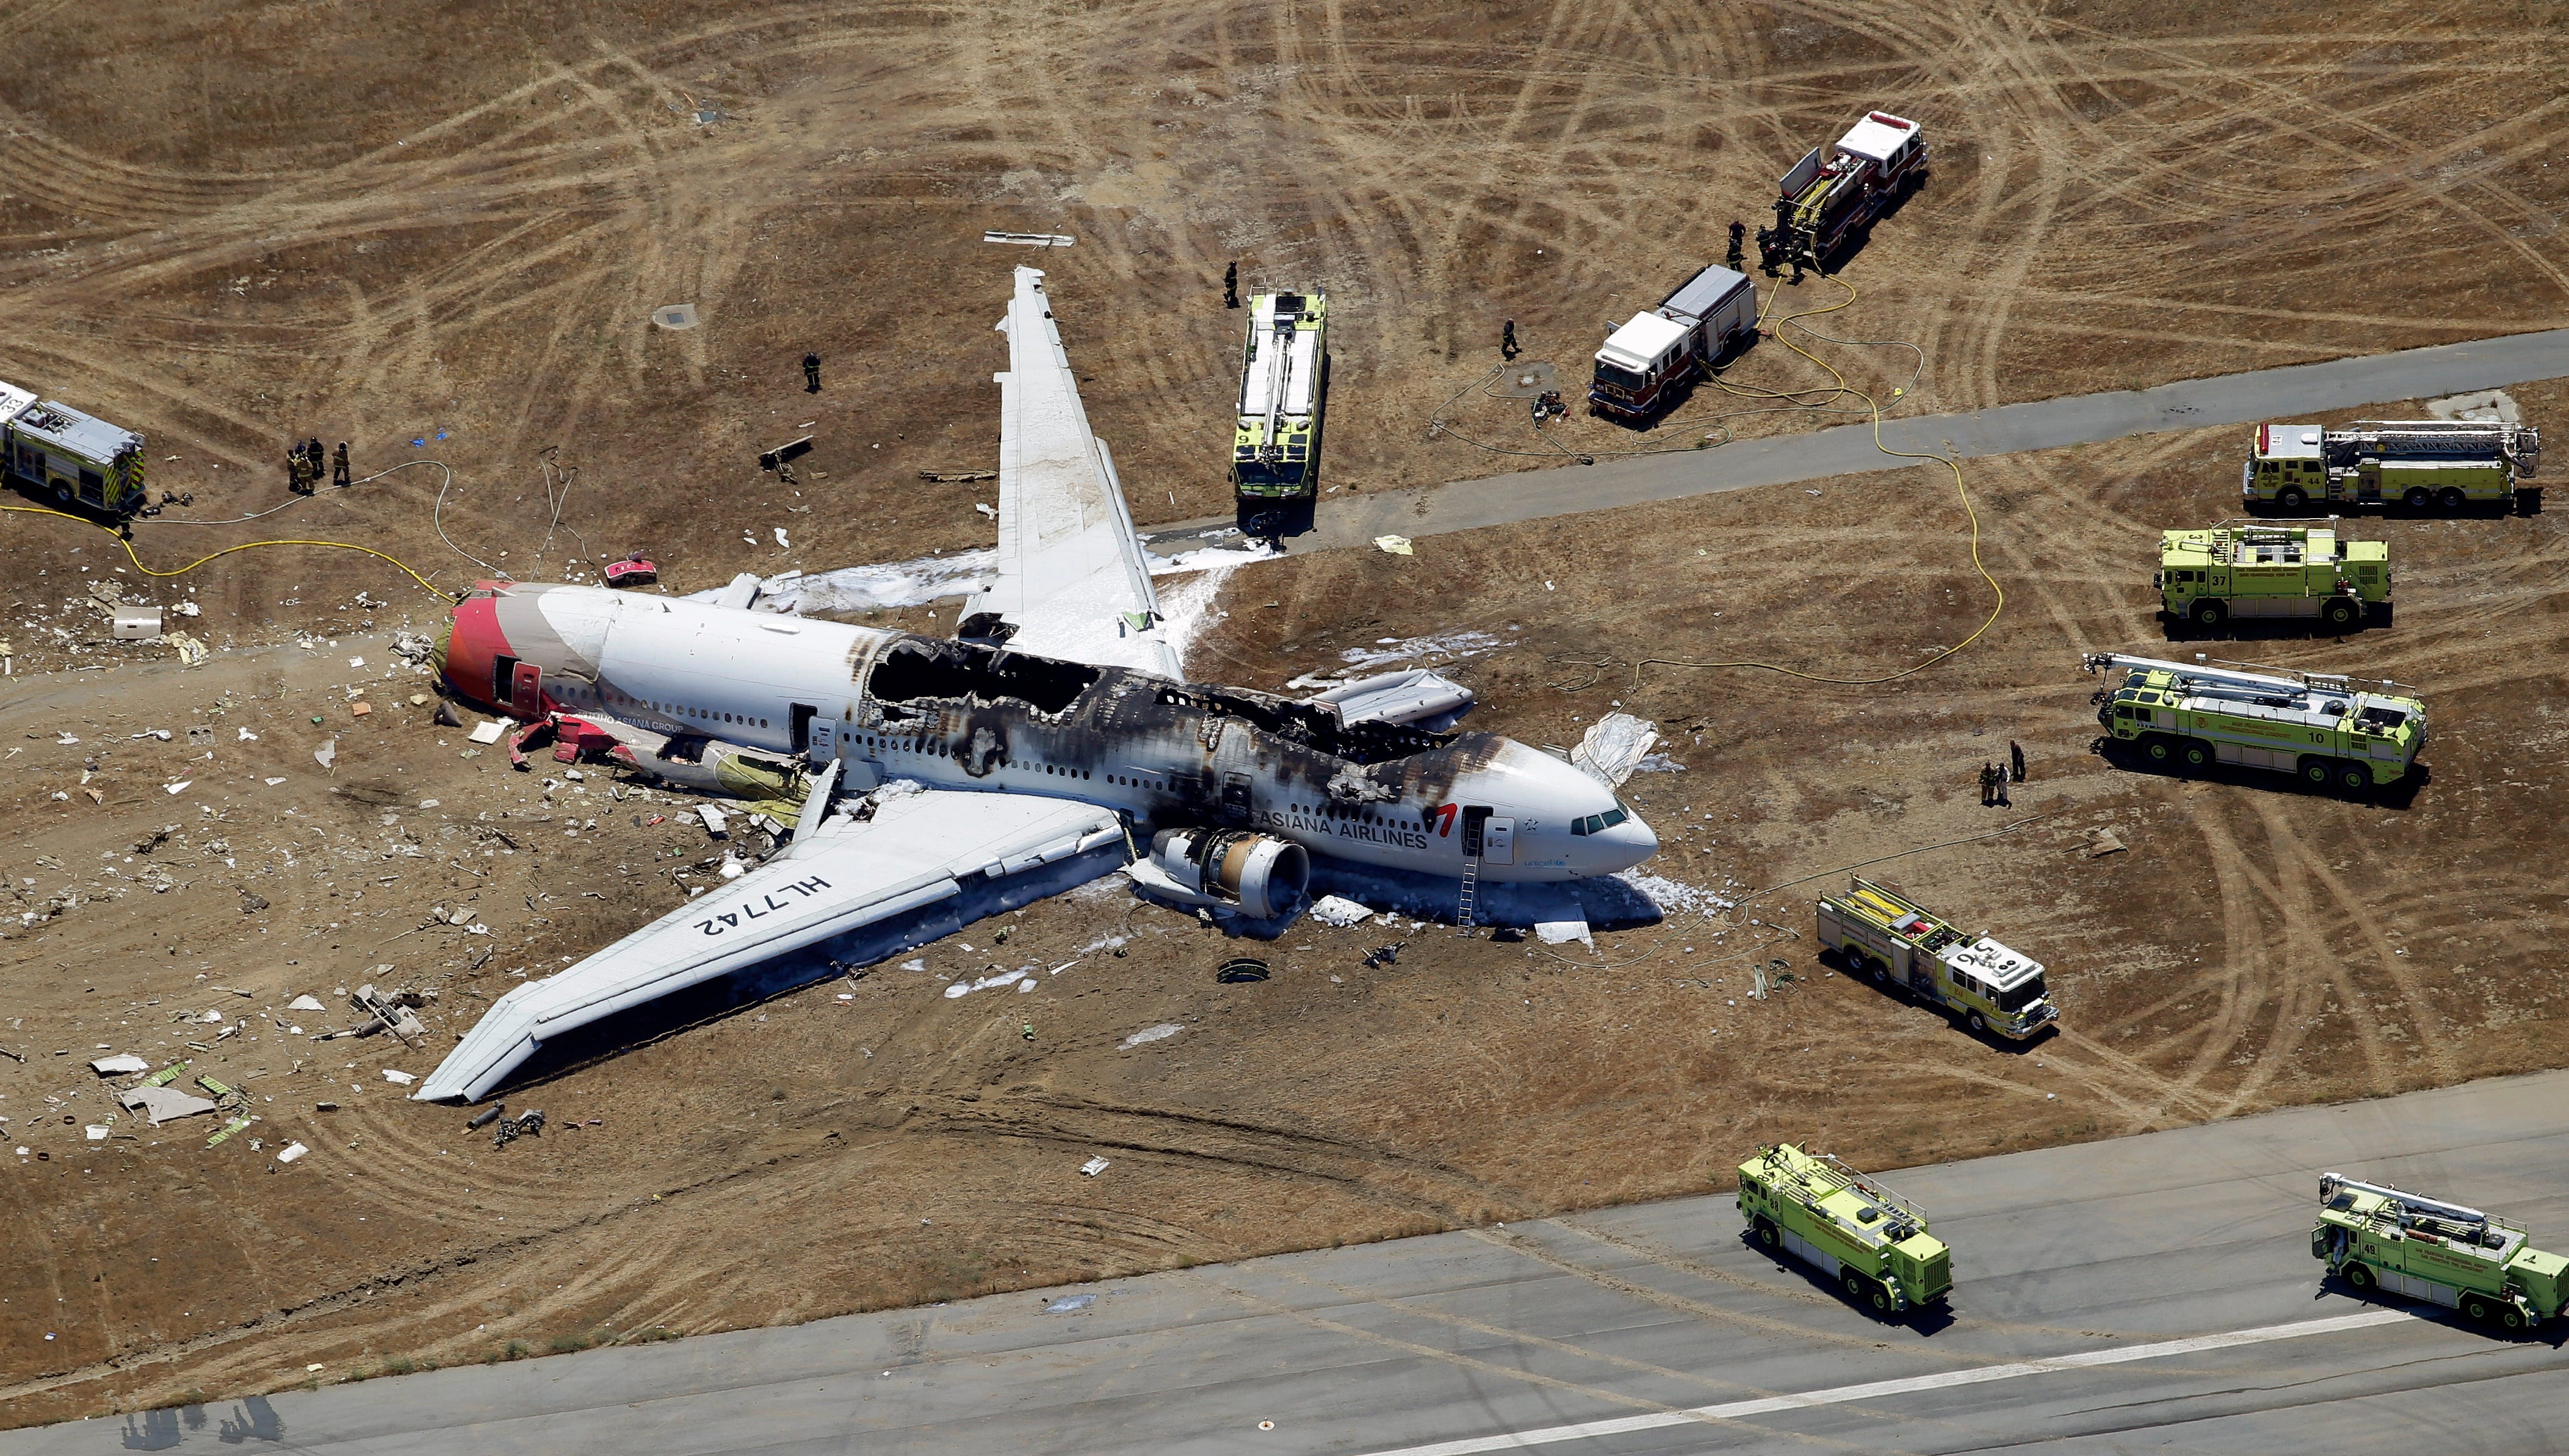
(1600, 823)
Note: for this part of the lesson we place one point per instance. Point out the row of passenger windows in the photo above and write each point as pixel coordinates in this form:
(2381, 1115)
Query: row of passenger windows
(1600, 823)
(612, 698)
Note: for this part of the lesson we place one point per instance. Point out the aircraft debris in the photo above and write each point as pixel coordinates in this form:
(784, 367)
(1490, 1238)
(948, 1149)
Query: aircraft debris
(327, 753)
(530, 1124)
(189, 651)
(291, 1152)
(1332, 909)
(306, 1002)
(399, 1078)
(958, 477)
(1148, 1035)
(2104, 841)
(1383, 954)
(489, 730)
(163, 1104)
(1613, 747)
(1072, 1304)
(138, 624)
(121, 1065)
(1399, 545)
(486, 1116)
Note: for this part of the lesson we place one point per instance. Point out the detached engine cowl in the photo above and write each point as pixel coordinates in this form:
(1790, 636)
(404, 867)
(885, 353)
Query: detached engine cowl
(1263, 877)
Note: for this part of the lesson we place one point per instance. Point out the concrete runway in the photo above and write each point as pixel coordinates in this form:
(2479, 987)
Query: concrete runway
(2154, 1293)
(2325, 392)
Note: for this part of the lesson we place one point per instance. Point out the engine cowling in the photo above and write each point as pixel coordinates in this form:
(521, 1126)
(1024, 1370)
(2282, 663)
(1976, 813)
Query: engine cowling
(1266, 877)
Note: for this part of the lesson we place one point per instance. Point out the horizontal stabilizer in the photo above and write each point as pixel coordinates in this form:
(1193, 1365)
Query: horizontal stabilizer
(912, 851)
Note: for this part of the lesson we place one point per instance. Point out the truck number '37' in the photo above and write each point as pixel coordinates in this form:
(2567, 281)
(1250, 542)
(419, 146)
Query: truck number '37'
(750, 910)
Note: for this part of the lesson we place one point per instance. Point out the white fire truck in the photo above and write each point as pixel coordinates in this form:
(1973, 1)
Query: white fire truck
(1646, 361)
(1880, 160)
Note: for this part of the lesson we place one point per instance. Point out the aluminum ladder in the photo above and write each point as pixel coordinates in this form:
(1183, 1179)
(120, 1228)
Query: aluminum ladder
(1471, 901)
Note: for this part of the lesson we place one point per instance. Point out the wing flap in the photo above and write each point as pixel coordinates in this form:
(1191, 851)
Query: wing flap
(914, 851)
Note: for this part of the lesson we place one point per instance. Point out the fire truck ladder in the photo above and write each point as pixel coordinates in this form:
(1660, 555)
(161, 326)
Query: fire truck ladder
(1280, 363)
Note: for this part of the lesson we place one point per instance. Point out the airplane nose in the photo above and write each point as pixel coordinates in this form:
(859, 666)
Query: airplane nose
(1625, 844)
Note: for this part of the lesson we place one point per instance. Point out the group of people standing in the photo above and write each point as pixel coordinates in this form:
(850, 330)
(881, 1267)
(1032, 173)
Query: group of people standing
(303, 466)
(1994, 779)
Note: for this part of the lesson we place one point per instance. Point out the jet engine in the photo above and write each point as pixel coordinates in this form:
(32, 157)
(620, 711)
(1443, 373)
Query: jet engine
(1264, 879)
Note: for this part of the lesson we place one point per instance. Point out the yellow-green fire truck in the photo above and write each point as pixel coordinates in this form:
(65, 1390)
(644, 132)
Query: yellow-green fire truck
(1850, 1228)
(2417, 463)
(2375, 1236)
(1283, 387)
(2323, 730)
(1880, 932)
(76, 458)
(2208, 576)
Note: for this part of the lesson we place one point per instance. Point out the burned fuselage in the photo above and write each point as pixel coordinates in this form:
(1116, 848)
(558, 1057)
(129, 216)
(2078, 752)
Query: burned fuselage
(964, 715)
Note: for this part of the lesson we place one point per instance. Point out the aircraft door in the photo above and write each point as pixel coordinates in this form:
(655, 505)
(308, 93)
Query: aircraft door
(800, 716)
(1499, 841)
(1234, 797)
(819, 740)
(527, 692)
(1476, 839)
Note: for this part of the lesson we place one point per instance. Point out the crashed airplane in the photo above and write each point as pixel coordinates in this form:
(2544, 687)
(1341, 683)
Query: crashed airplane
(1056, 740)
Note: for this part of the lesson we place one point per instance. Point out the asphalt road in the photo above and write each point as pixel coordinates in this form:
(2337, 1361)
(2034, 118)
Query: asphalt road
(2146, 1294)
(2324, 391)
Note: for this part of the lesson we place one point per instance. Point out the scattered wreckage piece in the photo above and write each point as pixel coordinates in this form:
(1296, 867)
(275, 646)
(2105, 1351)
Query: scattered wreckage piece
(163, 1104)
(1417, 697)
(910, 867)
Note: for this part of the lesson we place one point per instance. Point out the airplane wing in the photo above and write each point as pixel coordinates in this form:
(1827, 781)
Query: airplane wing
(894, 872)
(1072, 580)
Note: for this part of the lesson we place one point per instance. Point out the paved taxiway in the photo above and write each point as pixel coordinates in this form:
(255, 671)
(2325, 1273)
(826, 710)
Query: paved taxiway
(2326, 391)
(2151, 1293)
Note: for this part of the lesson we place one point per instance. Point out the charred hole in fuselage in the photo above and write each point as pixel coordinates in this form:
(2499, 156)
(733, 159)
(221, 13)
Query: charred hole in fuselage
(1309, 725)
(916, 668)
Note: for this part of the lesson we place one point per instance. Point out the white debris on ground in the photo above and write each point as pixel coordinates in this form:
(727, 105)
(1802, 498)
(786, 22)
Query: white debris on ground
(1103, 943)
(1562, 932)
(1443, 647)
(1614, 746)
(1070, 1303)
(989, 982)
(1338, 910)
(1211, 558)
(1160, 1032)
(489, 729)
(1093, 1167)
(119, 1065)
(1658, 763)
(1674, 899)
(2491, 405)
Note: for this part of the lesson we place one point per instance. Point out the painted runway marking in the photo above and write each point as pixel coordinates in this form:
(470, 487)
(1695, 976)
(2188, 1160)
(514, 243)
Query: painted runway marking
(2088, 1360)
